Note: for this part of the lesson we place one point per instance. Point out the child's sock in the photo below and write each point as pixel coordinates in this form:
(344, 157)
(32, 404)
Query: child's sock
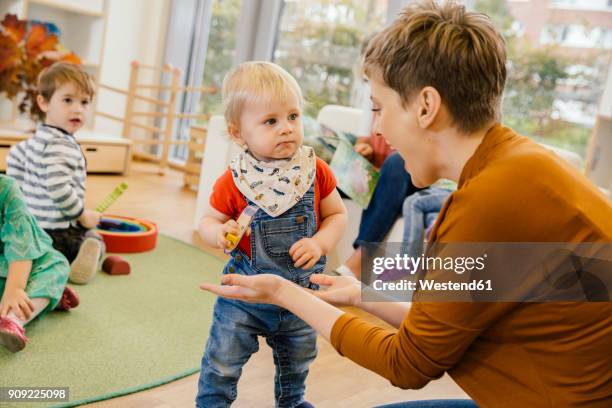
(85, 265)
(344, 271)
(12, 332)
(39, 305)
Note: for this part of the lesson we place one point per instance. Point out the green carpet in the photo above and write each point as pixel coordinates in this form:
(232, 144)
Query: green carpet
(130, 332)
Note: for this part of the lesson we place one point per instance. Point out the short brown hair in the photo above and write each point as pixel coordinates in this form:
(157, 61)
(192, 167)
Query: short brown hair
(61, 73)
(459, 53)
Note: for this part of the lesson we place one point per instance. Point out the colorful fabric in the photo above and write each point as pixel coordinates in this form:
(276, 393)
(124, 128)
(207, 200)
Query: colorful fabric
(21, 238)
(227, 199)
(50, 170)
(277, 185)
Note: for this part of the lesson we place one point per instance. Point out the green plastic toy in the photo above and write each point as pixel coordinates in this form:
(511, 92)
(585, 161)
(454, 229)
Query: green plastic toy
(112, 197)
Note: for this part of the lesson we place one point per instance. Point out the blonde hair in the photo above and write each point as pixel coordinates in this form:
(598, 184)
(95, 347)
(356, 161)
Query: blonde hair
(459, 53)
(256, 81)
(61, 73)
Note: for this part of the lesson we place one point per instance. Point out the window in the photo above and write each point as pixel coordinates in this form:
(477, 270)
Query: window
(555, 80)
(206, 56)
(319, 42)
(582, 4)
(220, 52)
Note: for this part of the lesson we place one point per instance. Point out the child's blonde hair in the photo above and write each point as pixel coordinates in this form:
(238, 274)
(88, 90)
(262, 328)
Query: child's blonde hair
(61, 73)
(256, 81)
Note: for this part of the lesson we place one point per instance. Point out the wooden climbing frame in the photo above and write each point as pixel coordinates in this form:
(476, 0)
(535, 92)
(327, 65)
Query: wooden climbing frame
(163, 109)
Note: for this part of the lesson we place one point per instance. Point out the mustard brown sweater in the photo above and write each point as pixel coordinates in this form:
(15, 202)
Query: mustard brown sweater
(504, 354)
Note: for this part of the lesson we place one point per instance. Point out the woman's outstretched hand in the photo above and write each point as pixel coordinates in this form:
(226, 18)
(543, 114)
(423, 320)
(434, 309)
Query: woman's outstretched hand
(268, 288)
(263, 288)
(339, 291)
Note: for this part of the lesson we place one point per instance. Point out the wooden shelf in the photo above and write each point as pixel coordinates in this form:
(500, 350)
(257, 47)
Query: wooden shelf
(90, 64)
(103, 154)
(68, 7)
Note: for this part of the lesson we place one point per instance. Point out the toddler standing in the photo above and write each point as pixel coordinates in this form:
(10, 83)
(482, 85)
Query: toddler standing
(299, 217)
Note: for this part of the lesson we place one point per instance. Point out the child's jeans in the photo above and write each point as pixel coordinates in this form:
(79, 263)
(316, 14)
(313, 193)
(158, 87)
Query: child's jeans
(420, 210)
(234, 338)
(237, 325)
(394, 185)
(68, 241)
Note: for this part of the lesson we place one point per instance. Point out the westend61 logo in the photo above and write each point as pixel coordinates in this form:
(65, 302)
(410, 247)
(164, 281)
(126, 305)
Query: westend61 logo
(488, 272)
(411, 265)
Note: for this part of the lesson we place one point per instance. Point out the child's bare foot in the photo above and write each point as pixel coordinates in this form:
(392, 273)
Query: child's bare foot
(69, 299)
(12, 335)
(85, 266)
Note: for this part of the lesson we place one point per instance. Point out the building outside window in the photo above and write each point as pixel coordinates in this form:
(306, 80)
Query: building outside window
(558, 57)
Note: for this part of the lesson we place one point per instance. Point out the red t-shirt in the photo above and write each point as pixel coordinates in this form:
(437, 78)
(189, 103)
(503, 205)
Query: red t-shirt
(380, 148)
(227, 199)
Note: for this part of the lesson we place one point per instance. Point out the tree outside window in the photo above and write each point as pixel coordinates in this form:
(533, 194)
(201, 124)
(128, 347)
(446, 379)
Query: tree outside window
(319, 43)
(553, 90)
(220, 52)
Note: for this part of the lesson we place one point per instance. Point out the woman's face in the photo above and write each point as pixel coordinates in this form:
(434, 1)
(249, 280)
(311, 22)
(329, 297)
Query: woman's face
(399, 125)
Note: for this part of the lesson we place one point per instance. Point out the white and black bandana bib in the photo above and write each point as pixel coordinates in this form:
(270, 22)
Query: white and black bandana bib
(278, 185)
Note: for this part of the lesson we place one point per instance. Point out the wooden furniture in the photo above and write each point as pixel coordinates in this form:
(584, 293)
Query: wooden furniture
(7, 139)
(157, 123)
(104, 154)
(193, 166)
(82, 24)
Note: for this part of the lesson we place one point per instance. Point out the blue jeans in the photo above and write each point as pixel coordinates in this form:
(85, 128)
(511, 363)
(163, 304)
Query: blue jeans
(420, 211)
(441, 403)
(237, 325)
(232, 341)
(394, 185)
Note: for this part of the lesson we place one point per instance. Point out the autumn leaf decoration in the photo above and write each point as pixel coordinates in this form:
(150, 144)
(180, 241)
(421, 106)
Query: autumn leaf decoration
(26, 47)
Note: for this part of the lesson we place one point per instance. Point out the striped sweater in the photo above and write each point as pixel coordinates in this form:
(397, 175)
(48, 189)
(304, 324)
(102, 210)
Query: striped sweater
(50, 169)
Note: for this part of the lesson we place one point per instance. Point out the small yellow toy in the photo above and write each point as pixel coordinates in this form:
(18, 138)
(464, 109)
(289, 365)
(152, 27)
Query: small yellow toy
(244, 221)
(112, 197)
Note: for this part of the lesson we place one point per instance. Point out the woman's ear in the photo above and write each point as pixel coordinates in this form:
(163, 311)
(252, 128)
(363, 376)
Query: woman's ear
(429, 104)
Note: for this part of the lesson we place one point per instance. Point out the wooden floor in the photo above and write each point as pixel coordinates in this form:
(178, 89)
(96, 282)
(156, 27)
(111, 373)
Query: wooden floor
(333, 382)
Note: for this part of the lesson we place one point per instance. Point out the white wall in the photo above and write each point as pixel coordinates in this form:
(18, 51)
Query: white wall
(136, 30)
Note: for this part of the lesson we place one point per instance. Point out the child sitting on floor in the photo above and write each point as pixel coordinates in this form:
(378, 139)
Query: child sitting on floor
(32, 274)
(299, 217)
(50, 169)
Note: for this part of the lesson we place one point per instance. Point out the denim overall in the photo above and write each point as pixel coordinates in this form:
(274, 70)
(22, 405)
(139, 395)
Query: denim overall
(237, 325)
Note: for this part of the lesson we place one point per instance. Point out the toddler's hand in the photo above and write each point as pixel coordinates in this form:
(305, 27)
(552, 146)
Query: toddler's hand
(90, 219)
(363, 149)
(231, 227)
(18, 301)
(307, 252)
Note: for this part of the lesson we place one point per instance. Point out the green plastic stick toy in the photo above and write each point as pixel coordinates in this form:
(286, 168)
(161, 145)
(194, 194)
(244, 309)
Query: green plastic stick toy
(112, 197)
